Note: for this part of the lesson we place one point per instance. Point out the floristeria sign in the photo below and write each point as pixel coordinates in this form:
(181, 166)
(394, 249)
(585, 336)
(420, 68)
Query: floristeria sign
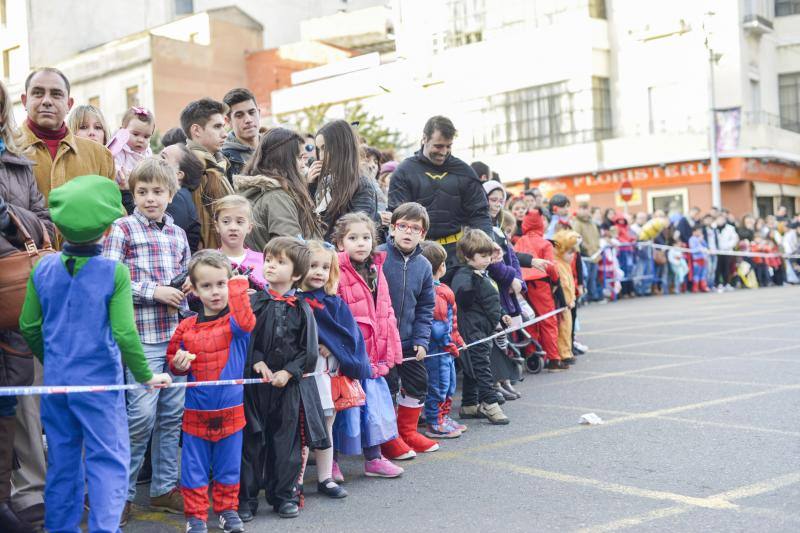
(641, 177)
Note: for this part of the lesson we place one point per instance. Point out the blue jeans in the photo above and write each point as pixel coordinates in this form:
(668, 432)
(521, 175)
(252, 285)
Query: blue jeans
(441, 383)
(594, 288)
(157, 414)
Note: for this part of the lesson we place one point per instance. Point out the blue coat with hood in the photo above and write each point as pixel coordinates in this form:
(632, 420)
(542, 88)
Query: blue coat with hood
(411, 289)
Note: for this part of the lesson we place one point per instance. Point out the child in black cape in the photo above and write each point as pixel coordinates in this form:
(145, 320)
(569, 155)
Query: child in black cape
(285, 414)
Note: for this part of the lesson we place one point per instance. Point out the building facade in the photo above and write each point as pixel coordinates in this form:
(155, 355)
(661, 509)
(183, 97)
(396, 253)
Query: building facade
(551, 92)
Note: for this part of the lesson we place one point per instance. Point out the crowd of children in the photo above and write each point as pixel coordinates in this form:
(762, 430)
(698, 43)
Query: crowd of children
(354, 341)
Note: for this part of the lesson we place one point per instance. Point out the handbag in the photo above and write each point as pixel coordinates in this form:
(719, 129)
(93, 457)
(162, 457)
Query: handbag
(346, 393)
(15, 269)
(659, 257)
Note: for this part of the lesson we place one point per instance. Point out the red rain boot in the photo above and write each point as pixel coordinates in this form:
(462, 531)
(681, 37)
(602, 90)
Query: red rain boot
(695, 286)
(407, 427)
(397, 449)
(703, 286)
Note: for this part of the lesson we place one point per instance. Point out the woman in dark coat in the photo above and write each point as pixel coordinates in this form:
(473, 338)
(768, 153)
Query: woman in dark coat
(20, 197)
(336, 181)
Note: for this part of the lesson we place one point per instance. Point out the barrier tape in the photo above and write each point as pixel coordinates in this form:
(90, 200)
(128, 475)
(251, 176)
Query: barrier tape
(74, 389)
(492, 337)
(651, 244)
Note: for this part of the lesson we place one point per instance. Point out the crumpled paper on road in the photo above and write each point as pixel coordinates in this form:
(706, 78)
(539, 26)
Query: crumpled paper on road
(591, 419)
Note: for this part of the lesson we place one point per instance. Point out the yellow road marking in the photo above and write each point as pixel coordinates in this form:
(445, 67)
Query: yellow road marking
(689, 380)
(690, 421)
(636, 520)
(707, 503)
(761, 487)
(614, 421)
(703, 335)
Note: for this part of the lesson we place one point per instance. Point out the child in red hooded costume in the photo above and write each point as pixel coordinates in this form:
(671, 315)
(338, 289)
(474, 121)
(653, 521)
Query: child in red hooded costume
(543, 287)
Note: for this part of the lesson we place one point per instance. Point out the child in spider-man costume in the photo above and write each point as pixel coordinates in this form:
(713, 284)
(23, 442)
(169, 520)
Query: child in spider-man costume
(213, 346)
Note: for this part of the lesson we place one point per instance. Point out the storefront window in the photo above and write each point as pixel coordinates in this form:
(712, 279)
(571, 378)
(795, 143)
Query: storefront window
(669, 200)
(764, 204)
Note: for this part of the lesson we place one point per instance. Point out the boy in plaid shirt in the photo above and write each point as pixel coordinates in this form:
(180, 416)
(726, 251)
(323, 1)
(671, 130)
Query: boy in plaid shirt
(155, 251)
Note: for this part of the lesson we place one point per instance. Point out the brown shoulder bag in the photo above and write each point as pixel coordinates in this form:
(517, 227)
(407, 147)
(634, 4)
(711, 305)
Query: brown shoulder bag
(15, 269)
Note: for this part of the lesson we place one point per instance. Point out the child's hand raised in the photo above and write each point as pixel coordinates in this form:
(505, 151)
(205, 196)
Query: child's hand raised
(183, 360)
(280, 379)
(506, 320)
(262, 368)
(516, 286)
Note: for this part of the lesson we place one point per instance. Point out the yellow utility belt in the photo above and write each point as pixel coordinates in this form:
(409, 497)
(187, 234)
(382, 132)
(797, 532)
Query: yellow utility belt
(450, 238)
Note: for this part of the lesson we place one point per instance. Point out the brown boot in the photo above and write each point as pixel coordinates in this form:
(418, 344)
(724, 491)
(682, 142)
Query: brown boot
(9, 521)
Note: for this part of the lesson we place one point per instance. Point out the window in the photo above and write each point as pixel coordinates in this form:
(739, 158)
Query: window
(668, 200)
(467, 20)
(11, 58)
(132, 96)
(789, 99)
(184, 7)
(601, 104)
(95, 101)
(3, 16)
(764, 205)
(755, 96)
(597, 9)
(527, 119)
(787, 7)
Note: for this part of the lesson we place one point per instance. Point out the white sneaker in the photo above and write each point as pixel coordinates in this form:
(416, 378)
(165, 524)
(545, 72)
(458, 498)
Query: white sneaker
(580, 346)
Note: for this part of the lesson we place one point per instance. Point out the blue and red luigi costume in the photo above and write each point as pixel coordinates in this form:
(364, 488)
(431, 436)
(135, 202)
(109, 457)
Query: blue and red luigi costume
(442, 368)
(214, 417)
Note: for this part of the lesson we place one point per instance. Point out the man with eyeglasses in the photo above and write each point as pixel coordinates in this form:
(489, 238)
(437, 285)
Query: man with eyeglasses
(446, 186)
(244, 119)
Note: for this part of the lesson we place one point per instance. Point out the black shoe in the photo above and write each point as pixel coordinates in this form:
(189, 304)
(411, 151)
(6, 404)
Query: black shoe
(556, 365)
(500, 399)
(288, 510)
(500, 390)
(569, 361)
(511, 390)
(11, 522)
(331, 489)
(246, 513)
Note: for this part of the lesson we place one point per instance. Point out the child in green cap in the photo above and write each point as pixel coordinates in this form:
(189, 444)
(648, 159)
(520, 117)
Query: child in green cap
(78, 320)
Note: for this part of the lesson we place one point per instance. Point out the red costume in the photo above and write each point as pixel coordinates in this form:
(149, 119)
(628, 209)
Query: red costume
(540, 284)
(214, 416)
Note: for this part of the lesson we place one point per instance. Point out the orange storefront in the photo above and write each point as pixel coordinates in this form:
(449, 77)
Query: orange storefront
(747, 185)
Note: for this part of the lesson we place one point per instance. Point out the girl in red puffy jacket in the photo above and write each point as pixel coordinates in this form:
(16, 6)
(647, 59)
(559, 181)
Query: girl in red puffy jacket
(363, 287)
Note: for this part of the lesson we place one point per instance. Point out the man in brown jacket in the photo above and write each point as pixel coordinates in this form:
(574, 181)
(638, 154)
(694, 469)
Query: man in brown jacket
(590, 245)
(203, 121)
(59, 155)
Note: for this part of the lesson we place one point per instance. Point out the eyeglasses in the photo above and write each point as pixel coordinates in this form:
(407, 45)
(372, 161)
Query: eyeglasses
(309, 148)
(406, 228)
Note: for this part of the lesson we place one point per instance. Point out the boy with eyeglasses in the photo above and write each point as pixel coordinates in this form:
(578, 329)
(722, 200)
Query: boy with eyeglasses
(408, 274)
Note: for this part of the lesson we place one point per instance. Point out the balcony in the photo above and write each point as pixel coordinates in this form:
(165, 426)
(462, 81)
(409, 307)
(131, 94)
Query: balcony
(758, 15)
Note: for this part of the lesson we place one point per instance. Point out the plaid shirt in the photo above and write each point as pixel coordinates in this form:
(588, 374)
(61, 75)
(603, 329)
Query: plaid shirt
(155, 257)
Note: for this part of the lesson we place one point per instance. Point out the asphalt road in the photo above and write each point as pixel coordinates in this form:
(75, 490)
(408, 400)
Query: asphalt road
(700, 395)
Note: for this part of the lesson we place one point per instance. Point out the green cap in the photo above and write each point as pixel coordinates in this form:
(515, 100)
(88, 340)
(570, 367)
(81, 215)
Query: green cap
(84, 207)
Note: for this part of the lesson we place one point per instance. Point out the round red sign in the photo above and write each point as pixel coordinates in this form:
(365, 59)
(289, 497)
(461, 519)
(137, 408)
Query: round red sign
(626, 191)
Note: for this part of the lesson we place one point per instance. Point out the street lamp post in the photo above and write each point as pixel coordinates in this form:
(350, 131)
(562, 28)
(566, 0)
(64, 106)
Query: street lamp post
(716, 193)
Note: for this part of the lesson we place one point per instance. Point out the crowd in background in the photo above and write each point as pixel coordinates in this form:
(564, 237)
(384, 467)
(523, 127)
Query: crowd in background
(427, 247)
